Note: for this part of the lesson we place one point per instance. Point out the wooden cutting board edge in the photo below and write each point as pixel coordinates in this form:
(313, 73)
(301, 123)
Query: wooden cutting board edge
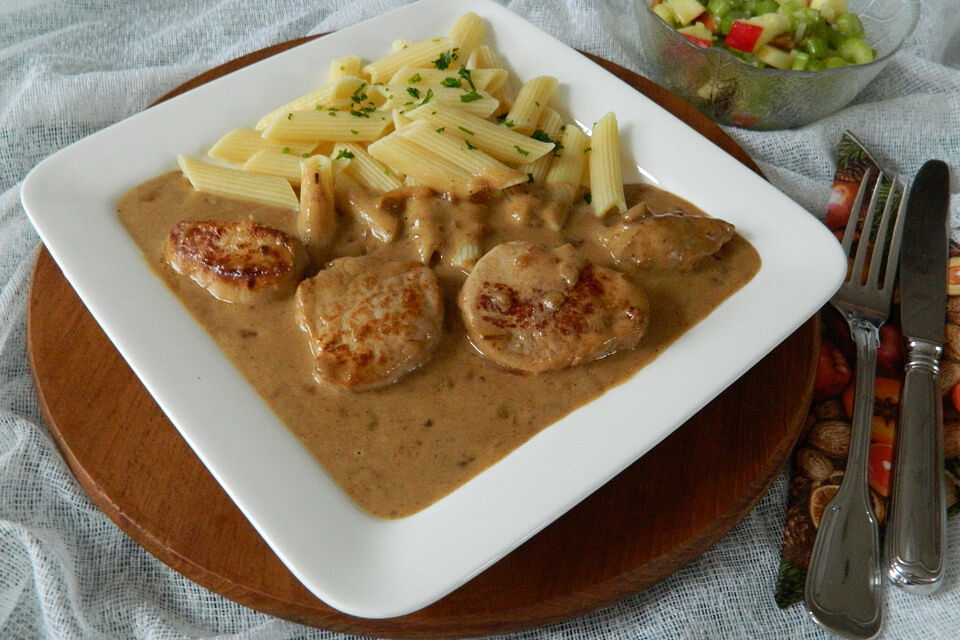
(571, 605)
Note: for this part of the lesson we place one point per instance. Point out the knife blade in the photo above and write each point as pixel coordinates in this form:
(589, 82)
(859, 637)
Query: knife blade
(915, 531)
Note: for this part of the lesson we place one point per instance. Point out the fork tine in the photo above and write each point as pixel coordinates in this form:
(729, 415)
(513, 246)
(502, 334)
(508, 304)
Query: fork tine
(851, 228)
(893, 257)
(876, 258)
(856, 274)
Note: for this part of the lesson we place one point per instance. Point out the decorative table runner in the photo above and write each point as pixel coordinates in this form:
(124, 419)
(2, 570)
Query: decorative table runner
(821, 454)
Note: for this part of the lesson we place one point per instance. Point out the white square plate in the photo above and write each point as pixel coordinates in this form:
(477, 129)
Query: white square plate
(355, 562)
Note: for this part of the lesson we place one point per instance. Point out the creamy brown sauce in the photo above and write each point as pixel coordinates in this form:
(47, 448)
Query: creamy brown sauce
(398, 449)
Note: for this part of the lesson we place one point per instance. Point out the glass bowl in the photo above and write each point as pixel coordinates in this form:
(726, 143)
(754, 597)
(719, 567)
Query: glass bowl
(733, 93)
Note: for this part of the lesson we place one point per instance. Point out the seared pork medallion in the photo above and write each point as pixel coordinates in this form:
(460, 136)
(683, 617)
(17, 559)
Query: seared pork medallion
(665, 241)
(533, 309)
(241, 262)
(369, 321)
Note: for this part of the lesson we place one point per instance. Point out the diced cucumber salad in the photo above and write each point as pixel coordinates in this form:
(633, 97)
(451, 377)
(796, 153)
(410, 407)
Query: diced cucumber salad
(802, 35)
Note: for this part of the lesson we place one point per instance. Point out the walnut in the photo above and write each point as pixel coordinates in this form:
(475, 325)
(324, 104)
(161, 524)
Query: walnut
(814, 464)
(951, 340)
(949, 375)
(832, 437)
(828, 409)
(953, 309)
(951, 439)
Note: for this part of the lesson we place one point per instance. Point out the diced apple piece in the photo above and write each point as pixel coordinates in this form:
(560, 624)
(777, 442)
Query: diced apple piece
(666, 14)
(743, 36)
(697, 34)
(707, 20)
(773, 24)
(687, 10)
(775, 57)
(829, 9)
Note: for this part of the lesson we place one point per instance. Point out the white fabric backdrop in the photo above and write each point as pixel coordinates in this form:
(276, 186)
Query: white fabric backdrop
(70, 68)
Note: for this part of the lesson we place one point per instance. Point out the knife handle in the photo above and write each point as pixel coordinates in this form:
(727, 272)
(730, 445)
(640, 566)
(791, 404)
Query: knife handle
(915, 531)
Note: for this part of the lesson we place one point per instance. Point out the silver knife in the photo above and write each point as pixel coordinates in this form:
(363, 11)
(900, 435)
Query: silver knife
(915, 531)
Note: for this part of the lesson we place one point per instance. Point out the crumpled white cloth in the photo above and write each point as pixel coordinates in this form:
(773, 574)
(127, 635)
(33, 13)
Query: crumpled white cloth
(70, 68)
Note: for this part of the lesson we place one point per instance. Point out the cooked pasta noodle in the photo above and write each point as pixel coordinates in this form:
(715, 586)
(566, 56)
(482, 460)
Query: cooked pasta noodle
(606, 180)
(240, 144)
(234, 183)
(499, 141)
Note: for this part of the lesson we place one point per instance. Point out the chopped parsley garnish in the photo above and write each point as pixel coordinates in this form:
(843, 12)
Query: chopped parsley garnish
(470, 146)
(529, 178)
(451, 82)
(285, 150)
(522, 152)
(443, 62)
(509, 124)
(466, 75)
(501, 117)
(359, 96)
(587, 197)
(354, 131)
(306, 155)
(471, 97)
(414, 79)
(344, 154)
(360, 114)
(427, 98)
(467, 131)
(331, 112)
(588, 149)
(441, 129)
(415, 93)
(542, 136)
(289, 116)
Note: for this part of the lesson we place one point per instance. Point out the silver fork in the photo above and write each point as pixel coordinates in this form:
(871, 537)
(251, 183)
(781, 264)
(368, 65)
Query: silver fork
(843, 590)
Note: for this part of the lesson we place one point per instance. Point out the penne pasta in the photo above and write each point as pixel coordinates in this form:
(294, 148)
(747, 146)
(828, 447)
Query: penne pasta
(606, 180)
(455, 151)
(467, 33)
(425, 166)
(498, 141)
(240, 144)
(351, 197)
(366, 169)
(436, 52)
(424, 228)
(483, 79)
(405, 98)
(340, 94)
(233, 183)
(549, 126)
(275, 163)
(483, 57)
(534, 95)
(344, 67)
(317, 126)
(317, 221)
(399, 120)
(563, 179)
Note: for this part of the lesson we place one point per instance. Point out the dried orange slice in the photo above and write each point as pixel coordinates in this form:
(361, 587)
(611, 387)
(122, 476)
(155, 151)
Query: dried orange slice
(819, 499)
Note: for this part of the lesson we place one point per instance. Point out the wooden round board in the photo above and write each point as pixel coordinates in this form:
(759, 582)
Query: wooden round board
(649, 521)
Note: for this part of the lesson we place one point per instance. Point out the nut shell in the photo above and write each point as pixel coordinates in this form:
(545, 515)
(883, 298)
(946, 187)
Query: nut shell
(814, 464)
(832, 437)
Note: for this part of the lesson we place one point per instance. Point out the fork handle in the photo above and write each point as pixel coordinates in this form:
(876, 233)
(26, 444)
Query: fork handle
(843, 589)
(915, 533)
